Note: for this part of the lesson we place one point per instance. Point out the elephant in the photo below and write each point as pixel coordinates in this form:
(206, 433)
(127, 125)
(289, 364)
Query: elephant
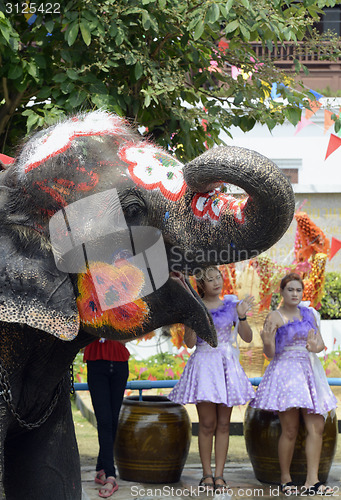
(65, 280)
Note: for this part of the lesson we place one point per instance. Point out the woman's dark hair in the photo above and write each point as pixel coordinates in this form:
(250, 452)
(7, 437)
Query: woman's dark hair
(201, 276)
(291, 277)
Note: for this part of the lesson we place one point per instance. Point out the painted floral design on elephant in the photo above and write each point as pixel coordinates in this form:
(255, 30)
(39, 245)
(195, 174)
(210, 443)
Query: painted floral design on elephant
(152, 168)
(109, 295)
(211, 205)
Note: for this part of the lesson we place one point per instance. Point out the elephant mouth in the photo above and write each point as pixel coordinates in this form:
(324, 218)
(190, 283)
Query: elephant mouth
(179, 278)
(210, 206)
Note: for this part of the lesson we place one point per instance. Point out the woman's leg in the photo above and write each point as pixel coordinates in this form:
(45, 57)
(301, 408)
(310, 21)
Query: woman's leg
(99, 387)
(289, 423)
(315, 425)
(118, 375)
(207, 425)
(222, 436)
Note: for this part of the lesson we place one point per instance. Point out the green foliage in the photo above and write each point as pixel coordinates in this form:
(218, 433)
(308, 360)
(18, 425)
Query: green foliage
(332, 363)
(156, 62)
(159, 367)
(331, 301)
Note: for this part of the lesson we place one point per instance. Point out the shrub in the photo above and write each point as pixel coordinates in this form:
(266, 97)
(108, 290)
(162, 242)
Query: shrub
(331, 301)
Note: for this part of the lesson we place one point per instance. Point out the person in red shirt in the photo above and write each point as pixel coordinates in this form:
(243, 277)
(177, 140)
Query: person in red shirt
(107, 363)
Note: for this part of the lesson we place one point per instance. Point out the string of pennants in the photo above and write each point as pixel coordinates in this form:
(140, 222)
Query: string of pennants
(334, 140)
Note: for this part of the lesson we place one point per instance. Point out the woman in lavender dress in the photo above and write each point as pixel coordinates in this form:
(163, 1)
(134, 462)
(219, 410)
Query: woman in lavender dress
(213, 378)
(295, 382)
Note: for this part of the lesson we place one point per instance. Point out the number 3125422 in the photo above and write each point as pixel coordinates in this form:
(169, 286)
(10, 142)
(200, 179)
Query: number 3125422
(33, 8)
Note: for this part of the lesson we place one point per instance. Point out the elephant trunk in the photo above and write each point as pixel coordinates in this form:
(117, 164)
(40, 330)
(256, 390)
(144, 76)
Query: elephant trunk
(236, 229)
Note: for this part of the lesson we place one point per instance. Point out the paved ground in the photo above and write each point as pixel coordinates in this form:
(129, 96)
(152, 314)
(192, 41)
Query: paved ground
(244, 485)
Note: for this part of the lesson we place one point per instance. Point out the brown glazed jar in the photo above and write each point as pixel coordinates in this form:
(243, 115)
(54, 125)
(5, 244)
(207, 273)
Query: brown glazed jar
(262, 430)
(152, 441)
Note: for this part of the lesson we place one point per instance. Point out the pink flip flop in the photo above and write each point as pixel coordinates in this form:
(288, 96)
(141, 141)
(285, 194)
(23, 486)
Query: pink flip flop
(108, 493)
(98, 479)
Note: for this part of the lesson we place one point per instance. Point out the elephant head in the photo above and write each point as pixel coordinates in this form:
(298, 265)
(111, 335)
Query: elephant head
(76, 184)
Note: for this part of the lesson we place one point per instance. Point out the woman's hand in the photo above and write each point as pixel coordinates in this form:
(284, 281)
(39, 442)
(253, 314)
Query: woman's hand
(314, 342)
(268, 332)
(268, 335)
(245, 305)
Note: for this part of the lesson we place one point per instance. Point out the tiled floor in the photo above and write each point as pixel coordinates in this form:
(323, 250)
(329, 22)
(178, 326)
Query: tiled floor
(243, 485)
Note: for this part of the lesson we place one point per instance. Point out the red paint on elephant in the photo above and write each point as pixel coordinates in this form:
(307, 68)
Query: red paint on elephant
(211, 205)
(152, 168)
(108, 295)
(61, 136)
(61, 189)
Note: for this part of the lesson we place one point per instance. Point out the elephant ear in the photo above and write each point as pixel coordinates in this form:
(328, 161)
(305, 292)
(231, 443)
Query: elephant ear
(32, 290)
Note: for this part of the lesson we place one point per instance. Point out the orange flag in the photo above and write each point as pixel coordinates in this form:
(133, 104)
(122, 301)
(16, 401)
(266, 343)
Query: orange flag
(334, 143)
(334, 247)
(314, 106)
(328, 122)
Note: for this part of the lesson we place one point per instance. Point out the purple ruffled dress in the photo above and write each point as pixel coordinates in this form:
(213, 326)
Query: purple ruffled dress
(215, 374)
(295, 377)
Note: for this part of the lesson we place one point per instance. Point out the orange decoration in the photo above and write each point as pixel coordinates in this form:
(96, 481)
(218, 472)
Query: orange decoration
(314, 284)
(309, 238)
(178, 332)
(228, 272)
(119, 284)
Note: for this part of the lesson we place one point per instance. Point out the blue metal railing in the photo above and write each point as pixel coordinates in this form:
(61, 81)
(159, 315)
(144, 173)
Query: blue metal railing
(141, 385)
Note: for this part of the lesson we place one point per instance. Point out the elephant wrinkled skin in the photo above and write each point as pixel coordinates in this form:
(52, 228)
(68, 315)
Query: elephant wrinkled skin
(68, 275)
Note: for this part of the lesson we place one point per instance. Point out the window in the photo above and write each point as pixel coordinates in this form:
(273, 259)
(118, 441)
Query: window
(289, 167)
(331, 20)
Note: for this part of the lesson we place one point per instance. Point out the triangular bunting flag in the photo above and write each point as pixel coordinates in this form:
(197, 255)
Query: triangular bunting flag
(314, 106)
(334, 247)
(302, 123)
(328, 122)
(334, 143)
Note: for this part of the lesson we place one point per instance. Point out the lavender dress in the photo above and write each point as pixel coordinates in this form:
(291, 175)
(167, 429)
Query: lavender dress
(215, 374)
(295, 377)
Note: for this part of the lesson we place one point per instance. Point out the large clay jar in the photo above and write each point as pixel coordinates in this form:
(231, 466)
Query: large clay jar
(262, 430)
(152, 440)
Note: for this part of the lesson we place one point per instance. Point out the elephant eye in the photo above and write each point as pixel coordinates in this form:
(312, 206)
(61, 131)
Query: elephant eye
(132, 211)
(134, 207)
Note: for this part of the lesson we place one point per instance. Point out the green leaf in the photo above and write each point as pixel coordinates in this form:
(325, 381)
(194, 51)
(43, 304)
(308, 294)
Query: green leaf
(293, 114)
(232, 26)
(245, 32)
(213, 13)
(31, 121)
(113, 30)
(199, 30)
(60, 77)
(15, 72)
(67, 87)
(40, 60)
(86, 35)
(138, 70)
(49, 25)
(44, 93)
(77, 97)
(32, 70)
(145, 20)
(147, 100)
(119, 38)
(72, 33)
(72, 74)
(238, 99)
(229, 4)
